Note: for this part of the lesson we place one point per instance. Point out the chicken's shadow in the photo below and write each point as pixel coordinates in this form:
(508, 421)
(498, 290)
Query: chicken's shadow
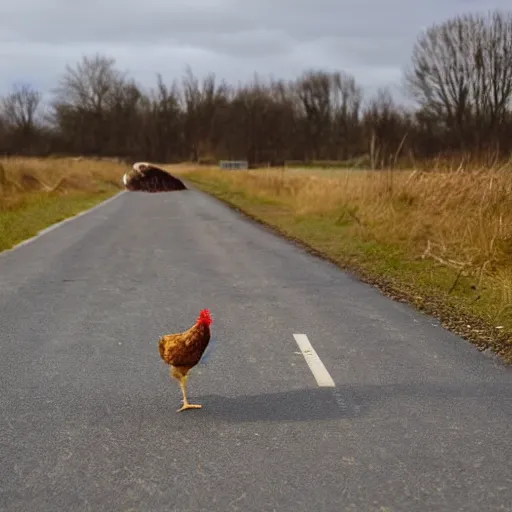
(321, 404)
(345, 402)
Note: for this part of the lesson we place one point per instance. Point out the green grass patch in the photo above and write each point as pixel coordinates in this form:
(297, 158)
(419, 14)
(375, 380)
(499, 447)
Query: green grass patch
(40, 210)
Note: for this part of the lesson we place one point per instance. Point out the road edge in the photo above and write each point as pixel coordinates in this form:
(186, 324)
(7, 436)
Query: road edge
(56, 225)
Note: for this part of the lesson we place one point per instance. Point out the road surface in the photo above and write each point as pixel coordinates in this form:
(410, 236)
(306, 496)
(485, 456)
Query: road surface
(417, 419)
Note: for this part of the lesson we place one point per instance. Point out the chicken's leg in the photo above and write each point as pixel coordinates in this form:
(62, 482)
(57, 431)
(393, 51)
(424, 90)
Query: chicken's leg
(183, 377)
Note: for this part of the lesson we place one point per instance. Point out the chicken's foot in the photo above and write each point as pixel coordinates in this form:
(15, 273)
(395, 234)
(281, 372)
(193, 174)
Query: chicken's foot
(186, 405)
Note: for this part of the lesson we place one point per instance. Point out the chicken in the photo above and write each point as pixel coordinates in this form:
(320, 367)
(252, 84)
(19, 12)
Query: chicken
(182, 351)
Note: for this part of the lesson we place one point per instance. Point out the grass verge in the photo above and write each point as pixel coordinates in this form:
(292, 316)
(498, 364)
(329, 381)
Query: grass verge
(439, 241)
(36, 193)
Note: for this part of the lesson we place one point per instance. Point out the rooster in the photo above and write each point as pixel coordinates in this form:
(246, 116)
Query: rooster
(182, 351)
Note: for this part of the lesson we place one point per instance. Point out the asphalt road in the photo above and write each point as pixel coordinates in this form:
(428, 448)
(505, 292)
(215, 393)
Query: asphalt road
(418, 420)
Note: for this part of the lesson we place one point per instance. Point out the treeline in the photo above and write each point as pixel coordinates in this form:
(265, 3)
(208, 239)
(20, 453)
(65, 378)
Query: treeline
(460, 76)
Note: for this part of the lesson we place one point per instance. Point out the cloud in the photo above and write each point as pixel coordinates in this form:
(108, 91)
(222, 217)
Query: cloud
(372, 39)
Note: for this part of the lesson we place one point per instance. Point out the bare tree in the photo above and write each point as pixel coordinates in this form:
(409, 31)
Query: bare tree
(164, 122)
(20, 107)
(345, 104)
(89, 84)
(122, 117)
(83, 97)
(249, 129)
(386, 128)
(18, 112)
(314, 90)
(330, 103)
(203, 102)
(461, 73)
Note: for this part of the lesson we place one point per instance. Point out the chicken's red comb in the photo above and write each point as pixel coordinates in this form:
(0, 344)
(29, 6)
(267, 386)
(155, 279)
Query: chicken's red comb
(205, 317)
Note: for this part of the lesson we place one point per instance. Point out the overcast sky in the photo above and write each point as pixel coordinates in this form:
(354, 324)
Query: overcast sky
(371, 39)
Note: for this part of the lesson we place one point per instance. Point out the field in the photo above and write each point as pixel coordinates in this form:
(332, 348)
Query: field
(35, 193)
(439, 240)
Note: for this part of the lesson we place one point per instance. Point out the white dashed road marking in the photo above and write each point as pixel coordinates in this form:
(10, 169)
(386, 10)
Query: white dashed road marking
(319, 371)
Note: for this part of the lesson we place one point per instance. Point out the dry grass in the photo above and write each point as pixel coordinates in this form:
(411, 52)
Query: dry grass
(35, 193)
(23, 177)
(441, 237)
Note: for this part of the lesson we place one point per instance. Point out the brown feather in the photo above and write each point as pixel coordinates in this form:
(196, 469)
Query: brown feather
(185, 349)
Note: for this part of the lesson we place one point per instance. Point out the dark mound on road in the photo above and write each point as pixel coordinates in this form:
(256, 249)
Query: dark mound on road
(147, 177)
